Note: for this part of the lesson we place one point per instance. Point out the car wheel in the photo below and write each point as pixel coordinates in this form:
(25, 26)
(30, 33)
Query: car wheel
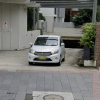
(30, 63)
(63, 59)
(59, 63)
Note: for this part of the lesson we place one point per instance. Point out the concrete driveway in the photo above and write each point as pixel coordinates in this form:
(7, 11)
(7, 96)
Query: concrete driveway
(18, 60)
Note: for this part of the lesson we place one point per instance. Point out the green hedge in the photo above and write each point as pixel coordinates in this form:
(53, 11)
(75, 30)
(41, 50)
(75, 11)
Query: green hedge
(89, 34)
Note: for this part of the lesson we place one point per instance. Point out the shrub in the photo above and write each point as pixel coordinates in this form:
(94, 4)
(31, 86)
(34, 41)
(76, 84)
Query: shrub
(89, 34)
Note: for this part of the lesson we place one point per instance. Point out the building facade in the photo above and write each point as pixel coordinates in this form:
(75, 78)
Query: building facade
(13, 25)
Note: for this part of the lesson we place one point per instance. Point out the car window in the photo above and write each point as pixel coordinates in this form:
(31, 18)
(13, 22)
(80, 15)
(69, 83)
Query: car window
(46, 41)
(61, 41)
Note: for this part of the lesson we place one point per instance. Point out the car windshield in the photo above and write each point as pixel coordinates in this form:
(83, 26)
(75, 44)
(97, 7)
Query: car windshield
(46, 41)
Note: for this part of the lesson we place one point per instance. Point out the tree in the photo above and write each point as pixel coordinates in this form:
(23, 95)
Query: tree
(98, 14)
(98, 2)
(30, 18)
(84, 16)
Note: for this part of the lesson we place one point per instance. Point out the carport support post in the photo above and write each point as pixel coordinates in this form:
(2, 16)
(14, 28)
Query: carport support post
(94, 11)
(33, 18)
(37, 18)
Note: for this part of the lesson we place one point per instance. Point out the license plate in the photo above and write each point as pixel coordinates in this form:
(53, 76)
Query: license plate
(42, 58)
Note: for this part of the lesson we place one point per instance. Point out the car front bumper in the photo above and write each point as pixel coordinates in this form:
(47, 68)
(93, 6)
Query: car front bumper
(43, 59)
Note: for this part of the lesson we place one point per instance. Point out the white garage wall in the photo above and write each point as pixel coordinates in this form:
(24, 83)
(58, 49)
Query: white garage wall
(50, 20)
(31, 36)
(6, 32)
(0, 26)
(22, 26)
(15, 35)
(15, 26)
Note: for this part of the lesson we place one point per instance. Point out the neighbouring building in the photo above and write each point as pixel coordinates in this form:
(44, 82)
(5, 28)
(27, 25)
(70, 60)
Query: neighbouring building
(13, 25)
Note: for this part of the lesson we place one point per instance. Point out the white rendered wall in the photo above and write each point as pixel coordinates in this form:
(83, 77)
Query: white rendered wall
(47, 11)
(22, 27)
(6, 31)
(50, 20)
(31, 36)
(15, 26)
(0, 26)
(14, 35)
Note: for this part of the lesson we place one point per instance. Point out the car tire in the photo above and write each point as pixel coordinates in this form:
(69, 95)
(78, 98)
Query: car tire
(63, 59)
(30, 63)
(59, 63)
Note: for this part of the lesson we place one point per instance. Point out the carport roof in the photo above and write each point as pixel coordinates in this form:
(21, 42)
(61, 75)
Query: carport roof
(88, 4)
(16, 1)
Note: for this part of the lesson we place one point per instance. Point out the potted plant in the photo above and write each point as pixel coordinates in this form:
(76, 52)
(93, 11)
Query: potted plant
(88, 39)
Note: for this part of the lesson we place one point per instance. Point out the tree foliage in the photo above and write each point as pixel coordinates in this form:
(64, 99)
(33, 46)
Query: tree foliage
(30, 18)
(98, 14)
(98, 2)
(84, 16)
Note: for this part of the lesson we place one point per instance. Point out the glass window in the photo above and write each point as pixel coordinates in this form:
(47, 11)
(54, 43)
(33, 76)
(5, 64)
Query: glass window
(46, 41)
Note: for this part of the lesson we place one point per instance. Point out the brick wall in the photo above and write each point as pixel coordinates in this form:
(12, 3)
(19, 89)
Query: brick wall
(97, 44)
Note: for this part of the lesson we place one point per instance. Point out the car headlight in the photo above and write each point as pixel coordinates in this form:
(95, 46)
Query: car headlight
(31, 51)
(54, 52)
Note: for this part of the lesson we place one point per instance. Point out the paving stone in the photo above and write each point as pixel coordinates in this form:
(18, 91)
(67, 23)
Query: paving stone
(85, 93)
(78, 96)
(88, 98)
(4, 87)
(75, 90)
(83, 87)
(40, 82)
(57, 82)
(74, 85)
(32, 83)
(64, 78)
(88, 79)
(48, 82)
(13, 90)
(11, 96)
(3, 93)
(25, 76)
(20, 96)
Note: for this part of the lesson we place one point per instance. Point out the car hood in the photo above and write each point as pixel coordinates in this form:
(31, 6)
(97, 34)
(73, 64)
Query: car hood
(44, 48)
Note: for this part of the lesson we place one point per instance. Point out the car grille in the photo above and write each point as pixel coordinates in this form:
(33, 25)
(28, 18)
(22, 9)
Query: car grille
(43, 53)
(37, 59)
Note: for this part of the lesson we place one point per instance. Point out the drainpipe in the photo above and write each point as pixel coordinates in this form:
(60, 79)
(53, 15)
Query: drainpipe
(33, 18)
(38, 18)
(94, 11)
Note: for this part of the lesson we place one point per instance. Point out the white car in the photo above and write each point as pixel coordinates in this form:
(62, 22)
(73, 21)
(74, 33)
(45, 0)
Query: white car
(47, 49)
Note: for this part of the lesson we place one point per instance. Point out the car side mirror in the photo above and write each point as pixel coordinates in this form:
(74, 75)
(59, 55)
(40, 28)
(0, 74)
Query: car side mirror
(31, 44)
(62, 44)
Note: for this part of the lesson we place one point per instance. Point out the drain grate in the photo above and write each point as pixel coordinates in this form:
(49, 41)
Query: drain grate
(53, 97)
(28, 97)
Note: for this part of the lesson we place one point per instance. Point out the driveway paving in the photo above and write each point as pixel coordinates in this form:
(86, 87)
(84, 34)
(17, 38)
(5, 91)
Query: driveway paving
(18, 80)
(18, 60)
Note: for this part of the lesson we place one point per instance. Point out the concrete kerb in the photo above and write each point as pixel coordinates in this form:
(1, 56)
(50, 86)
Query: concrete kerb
(99, 69)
